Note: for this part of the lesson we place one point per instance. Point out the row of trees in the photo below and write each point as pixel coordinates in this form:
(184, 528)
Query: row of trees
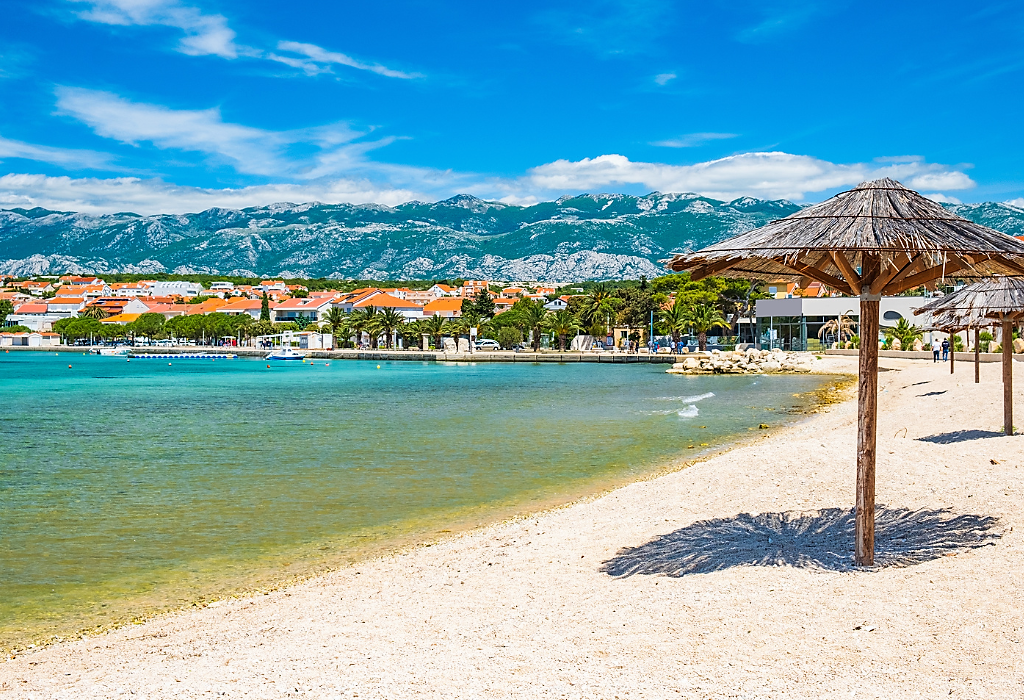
(700, 307)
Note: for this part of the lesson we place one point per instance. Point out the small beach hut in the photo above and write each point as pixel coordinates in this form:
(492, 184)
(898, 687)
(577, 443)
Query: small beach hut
(879, 238)
(997, 300)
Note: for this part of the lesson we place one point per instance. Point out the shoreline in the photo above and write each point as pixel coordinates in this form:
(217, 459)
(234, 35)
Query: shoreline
(533, 607)
(309, 563)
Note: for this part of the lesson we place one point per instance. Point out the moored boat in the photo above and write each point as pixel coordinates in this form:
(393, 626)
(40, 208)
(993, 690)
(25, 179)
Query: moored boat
(286, 354)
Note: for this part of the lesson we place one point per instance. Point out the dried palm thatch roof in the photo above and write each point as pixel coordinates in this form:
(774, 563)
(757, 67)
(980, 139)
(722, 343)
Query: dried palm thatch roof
(880, 234)
(978, 304)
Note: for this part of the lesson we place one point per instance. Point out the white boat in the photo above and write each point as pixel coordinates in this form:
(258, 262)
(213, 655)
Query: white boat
(116, 351)
(286, 354)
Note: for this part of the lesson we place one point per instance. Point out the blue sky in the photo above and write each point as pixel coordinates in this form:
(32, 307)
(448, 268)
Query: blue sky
(180, 105)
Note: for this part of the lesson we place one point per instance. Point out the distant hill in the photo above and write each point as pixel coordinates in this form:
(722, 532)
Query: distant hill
(601, 236)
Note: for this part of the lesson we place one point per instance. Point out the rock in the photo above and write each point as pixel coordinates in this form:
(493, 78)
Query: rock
(918, 345)
(772, 366)
(896, 344)
(1018, 345)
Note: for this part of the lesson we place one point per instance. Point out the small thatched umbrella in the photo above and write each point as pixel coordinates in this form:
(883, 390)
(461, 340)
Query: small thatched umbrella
(997, 300)
(878, 238)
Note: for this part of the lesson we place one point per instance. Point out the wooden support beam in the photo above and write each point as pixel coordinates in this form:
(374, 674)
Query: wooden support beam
(714, 268)
(867, 414)
(952, 350)
(977, 355)
(895, 275)
(851, 276)
(1007, 344)
(816, 274)
(952, 266)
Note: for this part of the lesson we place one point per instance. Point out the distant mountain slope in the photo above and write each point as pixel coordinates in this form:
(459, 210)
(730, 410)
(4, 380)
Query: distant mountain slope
(586, 237)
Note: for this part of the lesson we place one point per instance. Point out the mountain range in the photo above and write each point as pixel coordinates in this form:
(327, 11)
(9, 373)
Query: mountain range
(603, 236)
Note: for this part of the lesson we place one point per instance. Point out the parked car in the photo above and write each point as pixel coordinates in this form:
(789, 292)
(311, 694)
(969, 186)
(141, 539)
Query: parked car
(487, 344)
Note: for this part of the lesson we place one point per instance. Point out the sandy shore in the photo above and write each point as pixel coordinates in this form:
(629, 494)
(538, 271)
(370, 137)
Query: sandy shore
(664, 588)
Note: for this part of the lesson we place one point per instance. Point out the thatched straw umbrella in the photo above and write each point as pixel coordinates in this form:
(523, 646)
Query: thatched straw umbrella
(878, 238)
(986, 302)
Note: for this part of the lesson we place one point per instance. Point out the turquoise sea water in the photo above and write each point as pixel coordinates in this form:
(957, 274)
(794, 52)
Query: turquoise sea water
(130, 487)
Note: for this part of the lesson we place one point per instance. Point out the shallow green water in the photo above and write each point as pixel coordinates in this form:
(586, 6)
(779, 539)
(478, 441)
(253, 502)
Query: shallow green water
(128, 487)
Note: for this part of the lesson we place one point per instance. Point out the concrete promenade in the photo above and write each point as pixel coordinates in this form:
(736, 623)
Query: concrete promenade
(401, 355)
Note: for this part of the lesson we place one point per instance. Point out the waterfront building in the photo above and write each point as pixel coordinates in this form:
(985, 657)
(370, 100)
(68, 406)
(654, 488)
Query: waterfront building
(793, 323)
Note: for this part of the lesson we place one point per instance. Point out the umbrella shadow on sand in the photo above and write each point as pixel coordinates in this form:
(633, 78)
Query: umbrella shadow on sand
(960, 436)
(817, 540)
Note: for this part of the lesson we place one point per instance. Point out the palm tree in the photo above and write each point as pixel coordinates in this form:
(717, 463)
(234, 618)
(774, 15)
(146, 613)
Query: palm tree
(387, 322)
(562, 323)
(337, 320)
(675, 318)
(841, 327)
(905, 332)
(435, 327)
(702, 318)
(364, 320)
(93, 311)
(531, 314)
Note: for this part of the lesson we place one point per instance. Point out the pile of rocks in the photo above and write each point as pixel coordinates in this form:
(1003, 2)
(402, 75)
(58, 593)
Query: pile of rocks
(746, 362)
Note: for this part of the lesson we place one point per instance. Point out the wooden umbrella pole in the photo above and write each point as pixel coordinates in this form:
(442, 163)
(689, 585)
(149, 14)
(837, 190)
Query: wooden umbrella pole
(977, 354)
(1007, 342)
(952, 350)
(867, 413)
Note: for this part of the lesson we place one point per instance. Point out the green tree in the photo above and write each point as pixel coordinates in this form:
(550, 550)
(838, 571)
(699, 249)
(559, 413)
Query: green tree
(435, 326)
(508, 337)
(531, 314)
(480, 305)
(338, 322)
(411, 333)
(597, 307)
(79, 328)
(905, 332)
(364, 321)
(638, 304)
(387, 322)
(674, 317)
(562, 323)
(150, 325)
(265, 308)
(242, 325)
(6, 309)
(703, 318)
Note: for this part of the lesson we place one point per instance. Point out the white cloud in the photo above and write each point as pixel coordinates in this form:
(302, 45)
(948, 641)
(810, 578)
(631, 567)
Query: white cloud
(205, 34)
(772, 175)
(210, 35)
(103, 196)
(942, 198)
(691, 140)
(664, 78)
(246, 149)
(313, 59)
(1019, 202)
(64, 157)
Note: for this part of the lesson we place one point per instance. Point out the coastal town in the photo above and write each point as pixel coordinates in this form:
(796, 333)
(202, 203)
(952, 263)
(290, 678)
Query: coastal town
(670, 314)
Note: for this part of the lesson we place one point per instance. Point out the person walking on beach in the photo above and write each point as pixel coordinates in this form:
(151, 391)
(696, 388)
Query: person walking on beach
(945, 349)
(936, 347)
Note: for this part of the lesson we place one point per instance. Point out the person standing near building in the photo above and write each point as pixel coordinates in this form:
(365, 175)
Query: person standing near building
(936, 348)
(945, 349)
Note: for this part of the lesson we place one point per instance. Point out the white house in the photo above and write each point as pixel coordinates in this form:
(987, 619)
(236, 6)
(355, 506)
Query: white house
(175, 288)
(313, 308)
